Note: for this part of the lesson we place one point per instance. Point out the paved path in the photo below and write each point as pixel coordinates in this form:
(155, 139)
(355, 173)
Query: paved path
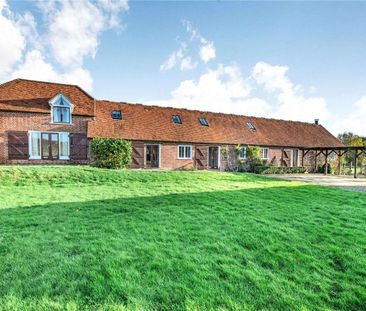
(345, 182)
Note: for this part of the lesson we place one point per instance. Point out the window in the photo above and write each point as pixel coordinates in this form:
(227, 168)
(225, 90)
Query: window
(61, 109)
(203, 122)
(251, 126)
(177, 119)
(185, 152)
(34, 145)
(61, 114)
(117, 115)
(265, 153)
(243, 153)
(64, 146)
(49, 146)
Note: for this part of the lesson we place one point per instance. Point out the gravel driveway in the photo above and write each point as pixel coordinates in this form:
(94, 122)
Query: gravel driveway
(345, 182)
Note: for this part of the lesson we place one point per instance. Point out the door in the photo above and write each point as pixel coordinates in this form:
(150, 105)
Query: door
(213, 157)
(152, 155)
(201, 157)
(50, 145)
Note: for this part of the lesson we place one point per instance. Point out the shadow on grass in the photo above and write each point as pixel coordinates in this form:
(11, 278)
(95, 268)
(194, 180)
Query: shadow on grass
(279, 248)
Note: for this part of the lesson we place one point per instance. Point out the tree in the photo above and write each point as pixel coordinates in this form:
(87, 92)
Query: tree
(350, 139)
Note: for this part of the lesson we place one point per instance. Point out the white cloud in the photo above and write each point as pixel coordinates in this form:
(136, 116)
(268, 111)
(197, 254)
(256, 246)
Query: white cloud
(36, 68)
(207, 52)
(222, 90)
(289, 102)
(12, 41)
(266, 92)
(354, 121)
(178, 58)
(182, 58)
(72, 32)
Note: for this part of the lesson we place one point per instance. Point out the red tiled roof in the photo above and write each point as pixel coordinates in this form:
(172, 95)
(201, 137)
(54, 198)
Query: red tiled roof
(140, 122)
(33, 96)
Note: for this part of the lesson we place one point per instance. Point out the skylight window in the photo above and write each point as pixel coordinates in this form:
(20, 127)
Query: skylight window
(251, 126)
(203, 122)
(177, 119)
(116, 115)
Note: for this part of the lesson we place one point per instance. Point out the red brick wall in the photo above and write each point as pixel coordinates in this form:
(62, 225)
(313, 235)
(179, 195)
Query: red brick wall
(169, 157)
(25, 121)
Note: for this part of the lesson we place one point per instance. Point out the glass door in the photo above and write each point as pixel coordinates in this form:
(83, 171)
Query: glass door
(49, 146)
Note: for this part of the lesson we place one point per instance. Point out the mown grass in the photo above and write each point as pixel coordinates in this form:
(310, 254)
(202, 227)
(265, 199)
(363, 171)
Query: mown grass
(80, 238)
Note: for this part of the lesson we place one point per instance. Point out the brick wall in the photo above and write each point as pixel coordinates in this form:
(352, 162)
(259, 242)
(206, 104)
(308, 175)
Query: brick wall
(228, 156)
(25, 121)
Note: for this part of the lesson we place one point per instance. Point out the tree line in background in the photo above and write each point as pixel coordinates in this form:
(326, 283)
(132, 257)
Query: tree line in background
(350, 139)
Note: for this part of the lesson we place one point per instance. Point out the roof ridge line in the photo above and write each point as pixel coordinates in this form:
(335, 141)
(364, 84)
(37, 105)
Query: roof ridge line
(48, 82)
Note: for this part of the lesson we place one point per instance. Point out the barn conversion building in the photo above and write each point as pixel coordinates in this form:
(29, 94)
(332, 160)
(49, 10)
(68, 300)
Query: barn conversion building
(43, 122)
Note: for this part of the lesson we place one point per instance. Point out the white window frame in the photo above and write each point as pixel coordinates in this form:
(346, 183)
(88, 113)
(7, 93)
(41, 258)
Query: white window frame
(185, 146)
(54, 102)
(31, 157)
(262, 153)
(245, 153)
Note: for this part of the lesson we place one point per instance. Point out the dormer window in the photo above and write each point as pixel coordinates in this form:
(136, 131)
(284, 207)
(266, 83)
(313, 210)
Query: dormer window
(61, 114)
(61, 108)
(116, 115)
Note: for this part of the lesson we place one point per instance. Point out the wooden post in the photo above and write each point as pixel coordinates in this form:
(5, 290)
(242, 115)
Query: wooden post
(326, 163)
(282, 158)
(302, 158)
(355, 164)
(316, 164)
(339, 162)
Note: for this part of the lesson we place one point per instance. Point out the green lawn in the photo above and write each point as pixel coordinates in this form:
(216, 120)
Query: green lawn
(76, 238)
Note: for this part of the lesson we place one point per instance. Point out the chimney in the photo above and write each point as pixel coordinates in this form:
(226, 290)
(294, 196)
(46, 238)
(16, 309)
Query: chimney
(316, 121)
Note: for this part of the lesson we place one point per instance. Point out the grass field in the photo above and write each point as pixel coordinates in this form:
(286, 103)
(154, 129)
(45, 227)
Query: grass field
(80, 238)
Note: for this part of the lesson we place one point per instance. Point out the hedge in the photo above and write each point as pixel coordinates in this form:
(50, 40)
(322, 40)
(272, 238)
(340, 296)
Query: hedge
(111, 152)
(265, 169)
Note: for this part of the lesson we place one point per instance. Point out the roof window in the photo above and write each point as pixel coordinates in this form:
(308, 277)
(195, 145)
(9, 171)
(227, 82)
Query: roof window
(177, 119)
(116, 115)
(203, 122)
(251, 126)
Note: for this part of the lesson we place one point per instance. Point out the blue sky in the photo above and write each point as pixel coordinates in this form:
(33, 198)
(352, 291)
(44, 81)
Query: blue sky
(290, 60)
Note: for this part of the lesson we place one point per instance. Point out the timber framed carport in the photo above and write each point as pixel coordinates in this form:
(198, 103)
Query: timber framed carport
(339, 151)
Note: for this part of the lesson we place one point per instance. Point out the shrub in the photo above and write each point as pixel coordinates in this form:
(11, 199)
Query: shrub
(253, 158)
(267, 169)
(321, 169)
(111, 152)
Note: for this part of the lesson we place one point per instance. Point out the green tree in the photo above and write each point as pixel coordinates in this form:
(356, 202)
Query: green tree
(350, 139)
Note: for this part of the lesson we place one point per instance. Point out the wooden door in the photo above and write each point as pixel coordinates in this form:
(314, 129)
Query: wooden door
(137, 155)
(213, 157)
(201, 157)
(78, 146)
